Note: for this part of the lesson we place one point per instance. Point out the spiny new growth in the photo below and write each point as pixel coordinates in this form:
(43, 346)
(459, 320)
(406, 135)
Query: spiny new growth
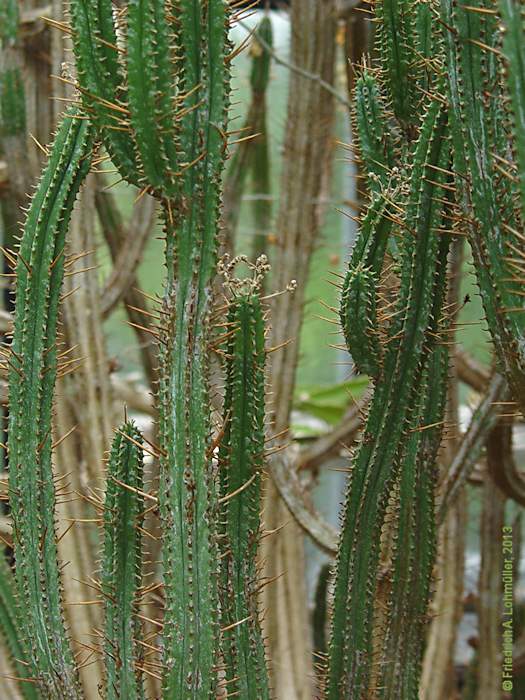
(373, 131)
(122, 566)
(241, 461)
(489, 161)
(33, 366)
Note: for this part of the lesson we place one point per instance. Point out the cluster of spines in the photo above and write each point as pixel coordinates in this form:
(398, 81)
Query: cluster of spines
(379, 466)
(33, 365)
(241, 461)
(121, 578)
(487, 178)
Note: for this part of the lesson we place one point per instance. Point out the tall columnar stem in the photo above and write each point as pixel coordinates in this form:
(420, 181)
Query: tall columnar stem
(513, 15)
(485, 179)
(32, 371)
(187, 491)
(241, 458)
(161, 107)
(388, 451)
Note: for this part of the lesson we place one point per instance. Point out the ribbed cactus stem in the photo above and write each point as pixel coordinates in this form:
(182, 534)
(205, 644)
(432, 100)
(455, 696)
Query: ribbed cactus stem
(10, 629)
(395, 42)
(380, 459)
(101, 80)
(375, 141)
(160, 100)
(151, 93)
(32, 371)
(241, 457)
(358, 311)
(513, 15)
(412, 551)
(187, 489)
(485, 181)
(121, 578)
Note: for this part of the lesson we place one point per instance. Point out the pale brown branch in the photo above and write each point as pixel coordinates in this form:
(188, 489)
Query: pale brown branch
(502, 466)
(117, 235)
(468, 452)
(341, 436)
(284, 474)
(314, 77)
(489, 587)
(134, 397)
(128, 255)
(470, 371)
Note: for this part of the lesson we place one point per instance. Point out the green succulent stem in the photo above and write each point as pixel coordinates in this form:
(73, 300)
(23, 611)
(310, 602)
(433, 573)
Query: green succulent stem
(358, 314)
(151, 93)
(381, 457)
(101, 80)
(33, 368)
(374, 136)
(241, 458)
(158, 93)
(513, 15)
(395, 41)
(414, 545)
(187, 492)
(10, 631)
(480, 140)
(122, 566)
